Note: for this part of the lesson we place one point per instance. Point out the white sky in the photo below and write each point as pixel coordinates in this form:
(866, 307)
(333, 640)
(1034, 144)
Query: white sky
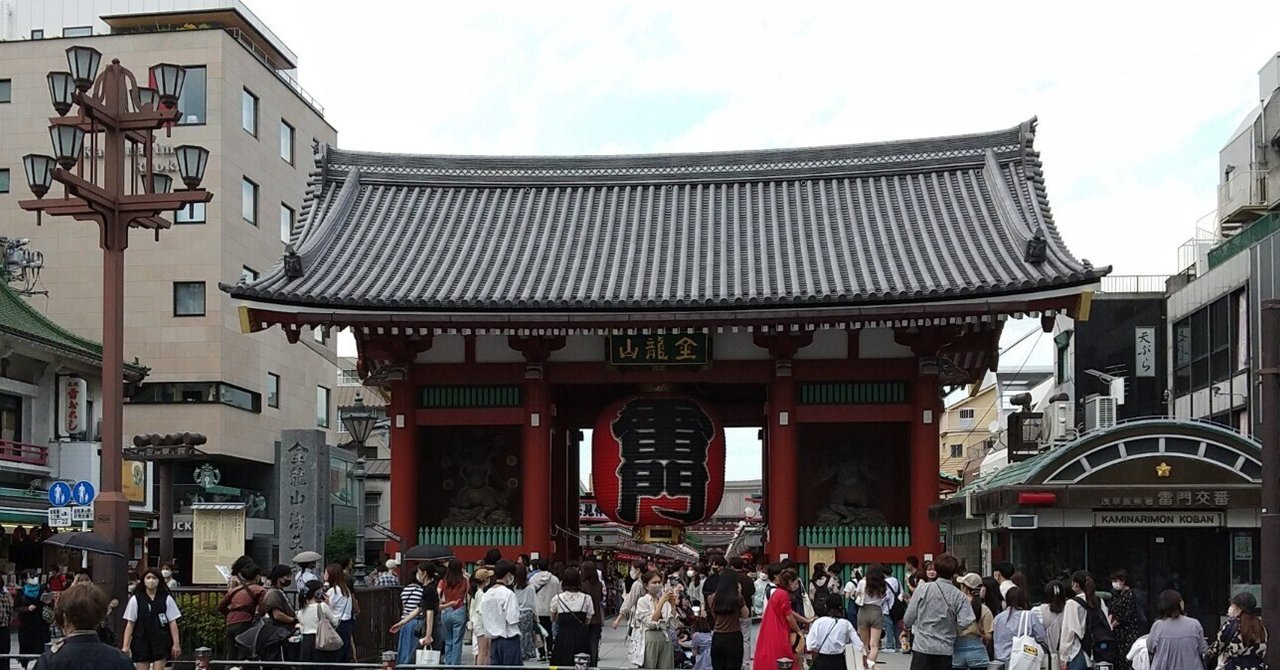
(1134, 99)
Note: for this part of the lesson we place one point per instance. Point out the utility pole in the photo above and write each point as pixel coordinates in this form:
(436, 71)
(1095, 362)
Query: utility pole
(1269, 410)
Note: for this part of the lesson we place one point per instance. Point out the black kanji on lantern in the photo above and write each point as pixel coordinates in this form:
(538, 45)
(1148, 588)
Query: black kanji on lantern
(663, 444)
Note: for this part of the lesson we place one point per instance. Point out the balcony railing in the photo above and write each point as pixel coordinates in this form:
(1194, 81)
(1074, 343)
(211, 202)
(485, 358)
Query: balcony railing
(1243, 190)
(20, 452)
(1134, 284)
(1247, 237)
(855, 536)
(472, 536)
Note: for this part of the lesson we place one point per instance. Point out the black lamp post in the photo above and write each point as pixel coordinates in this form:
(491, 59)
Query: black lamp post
(359, 423)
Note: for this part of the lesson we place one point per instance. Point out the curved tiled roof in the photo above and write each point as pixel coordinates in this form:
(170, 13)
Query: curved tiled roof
(858, 225)
(22, 321)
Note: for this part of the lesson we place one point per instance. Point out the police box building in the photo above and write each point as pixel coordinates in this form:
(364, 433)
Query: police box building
(826, 296)
(1174, 502)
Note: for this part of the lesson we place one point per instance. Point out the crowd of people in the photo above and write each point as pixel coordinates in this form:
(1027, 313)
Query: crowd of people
(690, 614)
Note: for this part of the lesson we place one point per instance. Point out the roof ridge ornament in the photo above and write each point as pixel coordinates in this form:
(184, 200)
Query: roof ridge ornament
(1037, 248)
(292, 263)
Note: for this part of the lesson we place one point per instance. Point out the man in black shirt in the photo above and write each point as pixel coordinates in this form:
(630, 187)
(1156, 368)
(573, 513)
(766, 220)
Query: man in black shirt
(78, 611)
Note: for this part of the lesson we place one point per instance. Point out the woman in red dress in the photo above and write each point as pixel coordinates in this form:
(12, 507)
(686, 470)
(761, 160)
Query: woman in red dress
(776, 627)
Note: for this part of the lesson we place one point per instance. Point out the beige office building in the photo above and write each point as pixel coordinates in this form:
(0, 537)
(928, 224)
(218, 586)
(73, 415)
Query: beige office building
(241, 102)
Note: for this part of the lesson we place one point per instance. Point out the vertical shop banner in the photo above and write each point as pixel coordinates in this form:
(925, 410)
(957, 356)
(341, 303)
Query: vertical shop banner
(1144, 347)
(217, 539)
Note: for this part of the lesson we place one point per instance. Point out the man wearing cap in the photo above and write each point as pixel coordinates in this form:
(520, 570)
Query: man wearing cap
(388, 578)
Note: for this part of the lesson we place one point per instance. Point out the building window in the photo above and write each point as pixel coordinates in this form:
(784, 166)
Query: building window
(249, 200)
(248, 275)
(192, 213)
(10, 418)
(372, 505)
(188, 298)
(957, 450)
(348, 378)
(177, 393)
(6, 90)
(194, 99)
(78, 31)
(322, 407)
(249, 112)
(966, 415)
(286, 222)
(286, 141)
(273, 390)
(37, 34)
(319, 335)
(4, 180)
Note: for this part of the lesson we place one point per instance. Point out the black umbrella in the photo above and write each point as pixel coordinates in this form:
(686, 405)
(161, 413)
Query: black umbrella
(428, 552)
(90, 542)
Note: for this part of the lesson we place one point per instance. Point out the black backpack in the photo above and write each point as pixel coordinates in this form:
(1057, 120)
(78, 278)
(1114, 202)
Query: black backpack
(1099, 640)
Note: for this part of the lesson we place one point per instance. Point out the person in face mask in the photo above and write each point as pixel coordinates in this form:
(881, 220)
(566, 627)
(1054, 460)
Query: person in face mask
(1127, 616)
(167, 572)
(151, 624)
(1241, 643)
(655, 617)
(635, 589)
(33, 629)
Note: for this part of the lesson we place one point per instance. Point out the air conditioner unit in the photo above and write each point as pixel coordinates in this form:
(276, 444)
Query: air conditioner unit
(1023, 521)
(1059, 422)
(1099, 412)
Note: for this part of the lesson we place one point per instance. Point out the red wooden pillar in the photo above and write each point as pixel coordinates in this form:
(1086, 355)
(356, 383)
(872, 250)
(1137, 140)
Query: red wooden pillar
(925, 421)
(406, 463)
(781, 497)
(535, 455)
(535, 443)
(559, 491)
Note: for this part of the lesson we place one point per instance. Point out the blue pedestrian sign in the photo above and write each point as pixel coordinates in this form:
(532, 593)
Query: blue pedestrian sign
(60, 494)
(82, 493)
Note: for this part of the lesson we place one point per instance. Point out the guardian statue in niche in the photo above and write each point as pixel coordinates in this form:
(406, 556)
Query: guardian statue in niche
(477, 502)
(851, 502)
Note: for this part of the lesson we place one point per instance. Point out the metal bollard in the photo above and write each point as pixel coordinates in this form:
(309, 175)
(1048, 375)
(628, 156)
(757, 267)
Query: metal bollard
(389, 660)
(203, 655)
(581, 661)
(995, 665)
(786, 663)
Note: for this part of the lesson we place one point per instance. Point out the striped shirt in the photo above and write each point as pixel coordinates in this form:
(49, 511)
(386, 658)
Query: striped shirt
(410, 599)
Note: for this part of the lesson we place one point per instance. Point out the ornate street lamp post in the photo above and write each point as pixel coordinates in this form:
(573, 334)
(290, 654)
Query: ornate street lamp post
(359, 423)
(109, 112)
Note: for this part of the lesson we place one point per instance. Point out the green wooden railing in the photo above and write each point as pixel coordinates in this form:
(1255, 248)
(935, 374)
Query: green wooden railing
(481, 536)
(855, 536)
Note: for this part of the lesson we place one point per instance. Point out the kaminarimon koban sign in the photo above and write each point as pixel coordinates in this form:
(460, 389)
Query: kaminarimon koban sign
(658, 463)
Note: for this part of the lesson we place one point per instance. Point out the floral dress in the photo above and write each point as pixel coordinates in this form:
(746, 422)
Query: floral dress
(1233, 653)
(1124, 609)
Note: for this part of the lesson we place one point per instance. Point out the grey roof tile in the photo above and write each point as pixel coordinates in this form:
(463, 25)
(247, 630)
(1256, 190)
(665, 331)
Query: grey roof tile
(894, 222)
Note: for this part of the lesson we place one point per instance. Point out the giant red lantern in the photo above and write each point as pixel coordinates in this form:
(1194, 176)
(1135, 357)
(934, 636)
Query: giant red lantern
(657, 459)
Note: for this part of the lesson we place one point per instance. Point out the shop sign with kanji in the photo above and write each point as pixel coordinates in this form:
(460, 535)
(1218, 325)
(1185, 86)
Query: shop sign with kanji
(659, 350)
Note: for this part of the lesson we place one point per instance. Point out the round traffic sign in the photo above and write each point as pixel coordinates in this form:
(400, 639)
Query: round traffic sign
(59, 494)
